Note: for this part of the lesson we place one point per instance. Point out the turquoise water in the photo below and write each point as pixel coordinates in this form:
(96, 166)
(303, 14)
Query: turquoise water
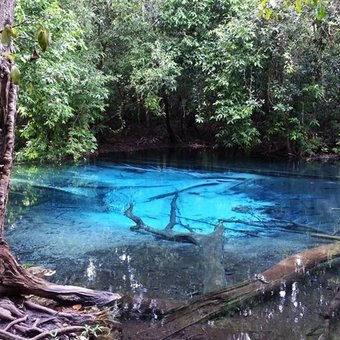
(71, 218)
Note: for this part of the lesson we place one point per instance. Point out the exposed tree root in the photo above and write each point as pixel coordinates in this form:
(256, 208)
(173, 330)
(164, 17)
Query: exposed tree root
(24, 319)
(16, 280)
(38, 322)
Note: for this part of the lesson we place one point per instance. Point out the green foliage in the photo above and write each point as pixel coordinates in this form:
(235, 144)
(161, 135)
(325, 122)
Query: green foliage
(299, 91)
(91, 331)
(252, 74)
(247, 80)
(229, 61)
(62, 92)
(268, 9)
(159, 74)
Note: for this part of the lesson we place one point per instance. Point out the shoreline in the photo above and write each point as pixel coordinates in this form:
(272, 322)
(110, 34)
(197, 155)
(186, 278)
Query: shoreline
(132, 145)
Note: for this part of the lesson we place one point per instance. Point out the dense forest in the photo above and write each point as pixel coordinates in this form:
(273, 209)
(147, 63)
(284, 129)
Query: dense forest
(242, 75)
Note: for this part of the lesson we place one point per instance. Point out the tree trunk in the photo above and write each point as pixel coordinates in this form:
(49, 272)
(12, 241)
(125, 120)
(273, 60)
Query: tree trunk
(8, 103)
(169, 129)
(13, 278)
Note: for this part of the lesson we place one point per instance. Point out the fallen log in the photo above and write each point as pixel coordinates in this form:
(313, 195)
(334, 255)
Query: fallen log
(217, 303)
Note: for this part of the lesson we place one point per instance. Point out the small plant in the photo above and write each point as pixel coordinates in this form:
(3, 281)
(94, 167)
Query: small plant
(54, 336)
(92, 330)
(27, 265)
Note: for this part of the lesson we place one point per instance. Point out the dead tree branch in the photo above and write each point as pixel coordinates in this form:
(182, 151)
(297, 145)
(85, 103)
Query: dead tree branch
(211, 245)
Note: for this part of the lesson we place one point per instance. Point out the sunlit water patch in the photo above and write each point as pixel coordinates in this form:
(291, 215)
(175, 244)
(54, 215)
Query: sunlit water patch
(71, 219)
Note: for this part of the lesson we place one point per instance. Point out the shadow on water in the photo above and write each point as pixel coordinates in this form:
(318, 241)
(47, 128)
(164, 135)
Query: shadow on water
(71, 219)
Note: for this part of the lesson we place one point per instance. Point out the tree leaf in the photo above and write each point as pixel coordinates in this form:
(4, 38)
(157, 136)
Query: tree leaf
(44, 39)
(10, 56)
(321, 12)
(14, 32)
(298, 6)
(263, 3)
(6, 35)
(268, 13)
(15, 75)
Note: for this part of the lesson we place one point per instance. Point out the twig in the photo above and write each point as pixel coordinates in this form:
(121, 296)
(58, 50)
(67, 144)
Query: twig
(59, 331)
(325, 236)
(36, 322)
(39, 322)
(40, 308)
(4, 335)
(14, 322)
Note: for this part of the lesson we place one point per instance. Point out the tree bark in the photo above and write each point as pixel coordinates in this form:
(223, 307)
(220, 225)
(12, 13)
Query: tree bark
(169, 129)
(8, 103)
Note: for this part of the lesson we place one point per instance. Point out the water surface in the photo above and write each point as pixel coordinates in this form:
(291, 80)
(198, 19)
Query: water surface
(71, 218)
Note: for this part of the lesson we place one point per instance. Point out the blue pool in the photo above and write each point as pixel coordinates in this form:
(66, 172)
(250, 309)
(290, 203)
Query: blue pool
(71, 219)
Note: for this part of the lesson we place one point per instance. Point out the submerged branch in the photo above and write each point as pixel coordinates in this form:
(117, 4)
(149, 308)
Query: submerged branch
(211, 245)
(176, 192)
(173, 206)
(325, 236)
(284, 225)
(166, 234)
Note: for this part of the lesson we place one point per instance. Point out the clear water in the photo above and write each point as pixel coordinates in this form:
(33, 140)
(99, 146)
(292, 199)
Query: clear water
(71, 218)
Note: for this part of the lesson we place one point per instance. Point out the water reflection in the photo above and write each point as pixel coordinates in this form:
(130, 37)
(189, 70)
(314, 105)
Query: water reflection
(294, 312)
